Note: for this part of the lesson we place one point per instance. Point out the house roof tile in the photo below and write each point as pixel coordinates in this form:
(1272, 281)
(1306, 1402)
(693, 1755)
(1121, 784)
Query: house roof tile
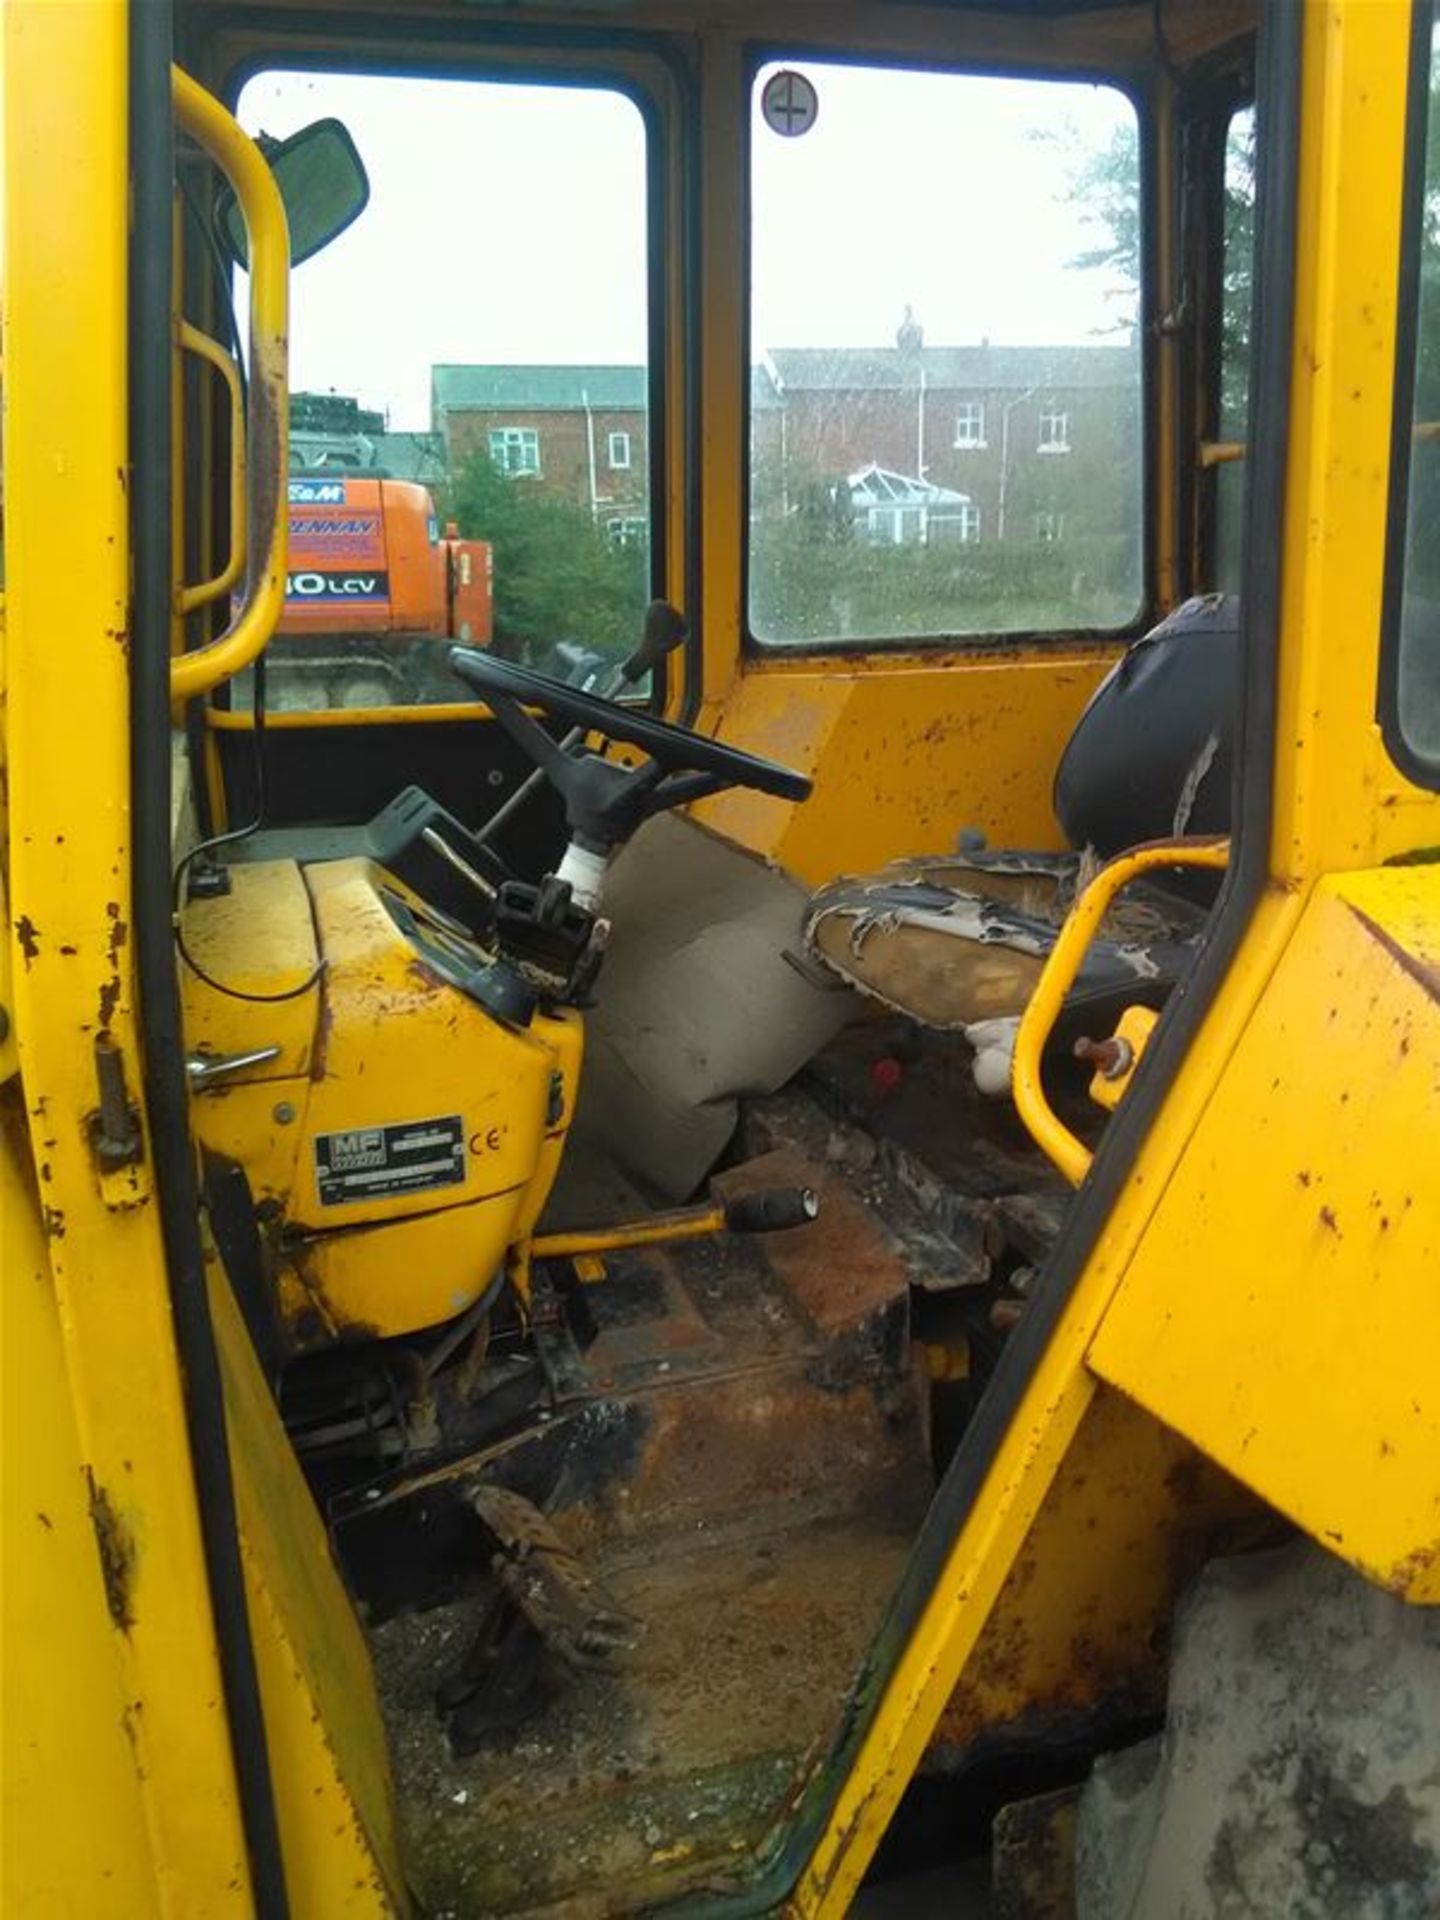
(557, 389)
(978, 368)
(535, 389)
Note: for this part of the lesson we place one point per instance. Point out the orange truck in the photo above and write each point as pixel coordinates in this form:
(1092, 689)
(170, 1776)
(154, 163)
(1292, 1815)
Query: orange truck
(366, 556)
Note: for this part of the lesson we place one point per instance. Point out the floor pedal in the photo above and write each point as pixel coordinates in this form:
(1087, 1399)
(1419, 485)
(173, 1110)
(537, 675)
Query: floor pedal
(547, 1620)
(548, 1583)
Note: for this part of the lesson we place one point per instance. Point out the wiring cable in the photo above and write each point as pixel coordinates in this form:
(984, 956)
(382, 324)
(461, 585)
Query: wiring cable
(231, 838)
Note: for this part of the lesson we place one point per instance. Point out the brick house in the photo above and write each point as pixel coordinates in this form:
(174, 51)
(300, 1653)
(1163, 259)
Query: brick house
(579, 432)
(980, 443)
(1042, 443)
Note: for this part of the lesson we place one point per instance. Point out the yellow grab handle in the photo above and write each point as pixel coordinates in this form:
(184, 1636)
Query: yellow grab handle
(267, 429)
(1049, 1132)
(196, 342)
(1217, 453)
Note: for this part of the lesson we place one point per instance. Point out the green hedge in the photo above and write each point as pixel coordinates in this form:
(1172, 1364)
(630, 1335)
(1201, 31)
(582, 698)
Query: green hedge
(804, 589)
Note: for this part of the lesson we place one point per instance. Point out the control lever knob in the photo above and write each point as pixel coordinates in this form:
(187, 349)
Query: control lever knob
(1112, 1058)
(772, 1210)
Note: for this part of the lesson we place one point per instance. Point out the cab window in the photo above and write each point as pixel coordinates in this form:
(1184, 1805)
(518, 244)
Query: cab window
(470, 448)
(946, 377)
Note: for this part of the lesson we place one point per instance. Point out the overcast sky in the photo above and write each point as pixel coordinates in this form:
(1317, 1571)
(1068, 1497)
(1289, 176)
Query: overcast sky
(506, 223)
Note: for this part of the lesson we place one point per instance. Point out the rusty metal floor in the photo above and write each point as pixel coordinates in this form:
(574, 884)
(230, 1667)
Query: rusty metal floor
(740, 1454)
(671, 1771)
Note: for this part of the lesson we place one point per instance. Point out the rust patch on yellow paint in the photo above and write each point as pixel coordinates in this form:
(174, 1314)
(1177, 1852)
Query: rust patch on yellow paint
(1412, 1574)
(28, 934)
(119, 932)
(1132, 1515)
(117, 1555)
(324, 1023)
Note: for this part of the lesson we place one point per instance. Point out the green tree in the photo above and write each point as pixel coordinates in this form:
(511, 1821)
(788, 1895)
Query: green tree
(558, 578)
(1105, 188)
(1237, 273)
(1105, 191)
(824, 513)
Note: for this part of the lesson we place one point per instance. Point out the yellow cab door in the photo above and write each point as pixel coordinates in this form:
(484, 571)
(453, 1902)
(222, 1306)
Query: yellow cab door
(1246, 1260)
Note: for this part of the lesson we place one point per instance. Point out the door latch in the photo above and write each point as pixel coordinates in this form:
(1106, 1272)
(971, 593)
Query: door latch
(204, 1069)
(115, 1133)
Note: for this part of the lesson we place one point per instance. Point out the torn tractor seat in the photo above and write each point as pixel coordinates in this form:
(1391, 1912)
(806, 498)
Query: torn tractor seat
(958, 941)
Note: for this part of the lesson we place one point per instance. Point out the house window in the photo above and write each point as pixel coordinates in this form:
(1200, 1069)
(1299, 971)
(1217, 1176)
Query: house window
(515, 449)
(970, 424)
(969, 519)
(1054, 432)
(619, 450)
(627, 530)
(1049, 527)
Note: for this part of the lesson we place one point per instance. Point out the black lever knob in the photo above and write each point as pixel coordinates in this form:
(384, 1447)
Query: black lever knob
(663, 631)
(772, 1210)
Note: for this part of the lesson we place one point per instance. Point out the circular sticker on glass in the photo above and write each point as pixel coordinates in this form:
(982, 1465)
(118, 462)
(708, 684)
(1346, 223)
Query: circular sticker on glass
(789, 103)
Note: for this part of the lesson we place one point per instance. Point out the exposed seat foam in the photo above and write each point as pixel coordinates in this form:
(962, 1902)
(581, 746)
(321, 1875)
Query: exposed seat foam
(959, 940)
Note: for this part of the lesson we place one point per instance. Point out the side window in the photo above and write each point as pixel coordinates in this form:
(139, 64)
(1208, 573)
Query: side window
(466, 363)
(946, 431)
(1414, 610)
(970, 424)
(1237, 280)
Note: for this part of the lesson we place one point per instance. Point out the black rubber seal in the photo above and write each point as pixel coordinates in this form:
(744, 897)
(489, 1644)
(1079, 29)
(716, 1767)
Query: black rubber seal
(152, 165)
(1423, 768)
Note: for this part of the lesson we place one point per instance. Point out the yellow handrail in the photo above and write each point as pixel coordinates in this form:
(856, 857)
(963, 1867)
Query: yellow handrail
(1046, 1129)
(1219, 453)
(200, 344)
(267, 430)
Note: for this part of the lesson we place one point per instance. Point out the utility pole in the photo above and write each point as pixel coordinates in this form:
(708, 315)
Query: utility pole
(590, 443)
(1005, 412)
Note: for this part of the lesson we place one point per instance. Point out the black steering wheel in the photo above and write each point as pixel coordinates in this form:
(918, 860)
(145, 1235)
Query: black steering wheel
(605, 803)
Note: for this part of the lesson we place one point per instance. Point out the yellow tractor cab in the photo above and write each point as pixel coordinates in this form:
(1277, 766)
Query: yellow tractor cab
(766, 1247)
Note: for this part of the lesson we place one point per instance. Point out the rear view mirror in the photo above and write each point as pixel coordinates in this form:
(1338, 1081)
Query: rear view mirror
(322, 181)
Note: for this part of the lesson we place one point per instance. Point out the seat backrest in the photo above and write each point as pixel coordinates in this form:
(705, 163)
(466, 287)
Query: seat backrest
(1152, 754)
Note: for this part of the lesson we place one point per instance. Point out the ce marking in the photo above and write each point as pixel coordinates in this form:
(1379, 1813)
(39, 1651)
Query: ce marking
(486, 1142)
